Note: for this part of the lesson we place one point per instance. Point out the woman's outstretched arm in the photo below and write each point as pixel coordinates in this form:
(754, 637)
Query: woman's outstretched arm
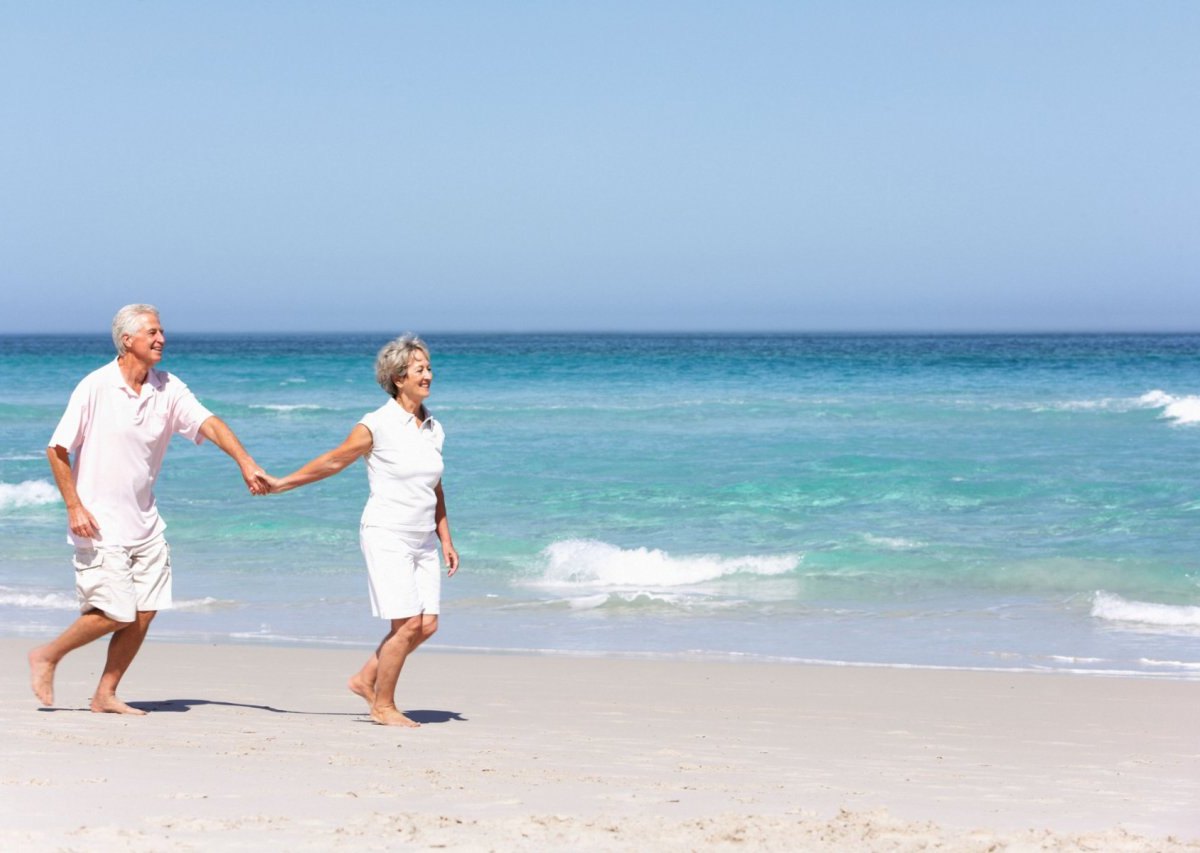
(357, 444)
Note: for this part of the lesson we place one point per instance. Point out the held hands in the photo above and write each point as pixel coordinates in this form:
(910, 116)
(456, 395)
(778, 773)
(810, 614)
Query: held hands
(251, 474)
(266, 483)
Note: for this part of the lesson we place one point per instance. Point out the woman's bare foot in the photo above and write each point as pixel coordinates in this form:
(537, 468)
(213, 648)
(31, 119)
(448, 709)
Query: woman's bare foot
(361, 688)
(392, 717)
(113, 705)
(41, 676)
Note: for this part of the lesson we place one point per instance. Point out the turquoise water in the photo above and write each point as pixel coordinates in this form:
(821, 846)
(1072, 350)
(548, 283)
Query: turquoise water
(994, 501)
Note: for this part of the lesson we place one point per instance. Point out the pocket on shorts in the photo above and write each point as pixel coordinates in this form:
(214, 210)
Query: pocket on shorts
(86, 560)
(92, 579)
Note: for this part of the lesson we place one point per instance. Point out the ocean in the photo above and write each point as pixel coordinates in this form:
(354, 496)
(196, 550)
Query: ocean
(994, 502)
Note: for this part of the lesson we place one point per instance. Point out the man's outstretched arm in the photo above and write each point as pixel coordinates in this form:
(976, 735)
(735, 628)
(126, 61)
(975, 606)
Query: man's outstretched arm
(219, 433)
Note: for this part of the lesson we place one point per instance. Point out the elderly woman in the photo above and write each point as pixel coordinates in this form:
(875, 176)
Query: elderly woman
(403, 521)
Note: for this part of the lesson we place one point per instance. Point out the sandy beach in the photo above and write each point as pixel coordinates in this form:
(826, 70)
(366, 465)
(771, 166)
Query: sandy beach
(250, 747)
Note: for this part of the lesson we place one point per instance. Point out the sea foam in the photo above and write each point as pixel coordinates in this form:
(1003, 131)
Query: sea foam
(1113, 608)
(287, 407)
(1181, 410)
(10, 597)
(204, 604)
(588, 562)
(27, 493)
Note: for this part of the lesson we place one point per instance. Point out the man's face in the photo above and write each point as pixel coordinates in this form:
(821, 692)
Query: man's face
(146, 345)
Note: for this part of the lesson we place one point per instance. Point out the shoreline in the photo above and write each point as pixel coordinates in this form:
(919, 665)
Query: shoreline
(249, 745)
(1174, 671)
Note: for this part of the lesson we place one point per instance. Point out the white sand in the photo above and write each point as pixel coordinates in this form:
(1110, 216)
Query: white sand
(254, 748)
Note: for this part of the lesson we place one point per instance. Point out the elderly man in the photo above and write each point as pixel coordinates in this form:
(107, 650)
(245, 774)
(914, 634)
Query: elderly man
(117, 426)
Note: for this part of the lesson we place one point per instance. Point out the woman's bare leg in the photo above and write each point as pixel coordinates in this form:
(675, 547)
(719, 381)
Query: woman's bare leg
(393, 651)
(362, 682)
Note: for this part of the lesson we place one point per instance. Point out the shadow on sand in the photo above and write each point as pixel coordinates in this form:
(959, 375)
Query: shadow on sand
(181, 706)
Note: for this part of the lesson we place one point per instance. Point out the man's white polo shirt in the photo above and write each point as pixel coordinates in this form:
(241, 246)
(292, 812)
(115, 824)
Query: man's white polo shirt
(404, 467)
(117, 440)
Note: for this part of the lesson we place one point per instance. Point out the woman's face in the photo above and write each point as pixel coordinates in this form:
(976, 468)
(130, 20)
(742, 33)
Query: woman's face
(415, 383)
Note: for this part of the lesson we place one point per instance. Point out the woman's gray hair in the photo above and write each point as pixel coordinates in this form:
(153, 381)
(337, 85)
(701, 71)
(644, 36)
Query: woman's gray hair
(393, 360)
(126, 323)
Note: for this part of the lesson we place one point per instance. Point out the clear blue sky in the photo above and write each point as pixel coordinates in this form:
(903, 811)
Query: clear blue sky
(463, 166)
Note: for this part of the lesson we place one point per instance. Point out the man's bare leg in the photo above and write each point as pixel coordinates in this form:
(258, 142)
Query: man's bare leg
(402, 639)
(44, 659)
(122, 649)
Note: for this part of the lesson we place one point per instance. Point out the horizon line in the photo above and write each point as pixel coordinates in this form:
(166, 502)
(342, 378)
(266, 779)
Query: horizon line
(879, 332)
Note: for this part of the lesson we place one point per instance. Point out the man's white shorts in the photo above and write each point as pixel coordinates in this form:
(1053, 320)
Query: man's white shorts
(404, 571)
(120, 581)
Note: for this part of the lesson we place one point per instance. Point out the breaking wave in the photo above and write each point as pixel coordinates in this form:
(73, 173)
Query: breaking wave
(28, 493)
(588, 562)
(1113, 608)
(1181, 410)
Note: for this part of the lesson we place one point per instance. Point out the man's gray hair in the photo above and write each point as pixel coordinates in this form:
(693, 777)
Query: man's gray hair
(127, 322)
(393, 360)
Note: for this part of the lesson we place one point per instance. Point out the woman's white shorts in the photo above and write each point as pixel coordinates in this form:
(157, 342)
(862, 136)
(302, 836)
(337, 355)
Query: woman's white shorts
(404, 571)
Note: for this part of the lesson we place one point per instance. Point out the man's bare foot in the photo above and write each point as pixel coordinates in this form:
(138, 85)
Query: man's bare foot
(392, 717)
(113, 705)
(41, 676)
(361, 688)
